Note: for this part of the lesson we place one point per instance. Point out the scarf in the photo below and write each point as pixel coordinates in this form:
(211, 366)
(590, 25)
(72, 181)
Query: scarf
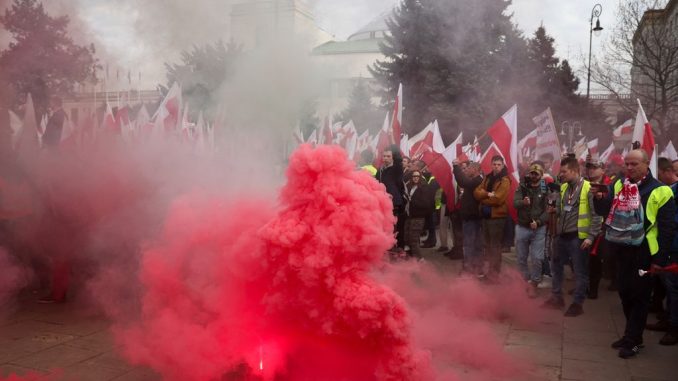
(491, 178)
(628, 199)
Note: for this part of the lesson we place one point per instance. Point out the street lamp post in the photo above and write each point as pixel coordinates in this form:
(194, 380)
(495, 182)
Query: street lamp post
(595, 12)
(570, 127)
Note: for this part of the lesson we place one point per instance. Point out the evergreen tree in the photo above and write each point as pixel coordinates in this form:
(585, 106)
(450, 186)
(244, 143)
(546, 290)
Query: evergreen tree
(361, 110)
(41, 58)
(452, 56)
(201, 73)
(308, 118)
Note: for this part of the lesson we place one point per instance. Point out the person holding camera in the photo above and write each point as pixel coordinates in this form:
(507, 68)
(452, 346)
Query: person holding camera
(531, 201)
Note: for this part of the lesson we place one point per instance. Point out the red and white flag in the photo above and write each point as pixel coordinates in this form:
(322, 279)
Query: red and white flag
(605, 156)
(527, 145)
(623, 135)
(486, 158)
(28, 142)
(504, 133)
(15, 124)
(428, 139)
(642, 133)
(166, 118)
(381, 142)
(452, 152)
(108, 124)
(669, 152)
(405, 145)
(325, 135)
(313, 138)
(439, 162)
(298, 136)
(396, 123)
(592, 147)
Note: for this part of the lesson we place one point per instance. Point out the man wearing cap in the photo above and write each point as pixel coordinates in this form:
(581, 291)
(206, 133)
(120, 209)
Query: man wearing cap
(530, 202)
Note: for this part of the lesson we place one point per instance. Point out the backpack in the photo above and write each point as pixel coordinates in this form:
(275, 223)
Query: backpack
(626, 226)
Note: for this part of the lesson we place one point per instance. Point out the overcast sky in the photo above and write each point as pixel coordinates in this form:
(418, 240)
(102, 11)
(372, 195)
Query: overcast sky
(142, 34)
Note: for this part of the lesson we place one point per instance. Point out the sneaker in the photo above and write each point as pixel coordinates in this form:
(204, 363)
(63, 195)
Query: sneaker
(670, 338)
(629, 350)
(660, 326)
(575, 309)
(546, 282)
(554, 303)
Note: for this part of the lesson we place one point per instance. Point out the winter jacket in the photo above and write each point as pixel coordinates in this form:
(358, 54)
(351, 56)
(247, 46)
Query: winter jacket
(420, 203)
(501, 187)
(392, 178)
(469, 206)
(536, 210)
(664, 220)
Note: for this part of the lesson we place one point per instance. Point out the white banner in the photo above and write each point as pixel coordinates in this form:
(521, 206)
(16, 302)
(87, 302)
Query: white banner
(547, 139)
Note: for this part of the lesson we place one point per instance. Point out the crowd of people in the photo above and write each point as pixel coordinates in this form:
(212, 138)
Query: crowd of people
(613, 220)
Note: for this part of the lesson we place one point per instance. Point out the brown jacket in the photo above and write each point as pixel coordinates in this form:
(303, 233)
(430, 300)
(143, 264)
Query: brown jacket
(498, 202)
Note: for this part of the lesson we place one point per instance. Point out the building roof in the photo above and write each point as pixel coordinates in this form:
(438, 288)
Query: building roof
(348, 47)
(378, 24)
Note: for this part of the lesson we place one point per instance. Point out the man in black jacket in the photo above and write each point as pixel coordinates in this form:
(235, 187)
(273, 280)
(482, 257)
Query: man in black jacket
(659, 211)
(469, 212)
(391, 175)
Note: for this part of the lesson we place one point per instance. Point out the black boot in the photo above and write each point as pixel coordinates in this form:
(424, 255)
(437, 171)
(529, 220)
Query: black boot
(671, 337)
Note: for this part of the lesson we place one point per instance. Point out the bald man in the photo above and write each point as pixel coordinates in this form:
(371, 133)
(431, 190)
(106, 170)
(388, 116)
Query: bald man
(659, 210)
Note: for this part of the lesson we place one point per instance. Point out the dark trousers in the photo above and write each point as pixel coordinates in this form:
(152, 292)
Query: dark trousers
(413, 228)
(634, 290)
(399, 228)
(430, 227)
(595, 272)
(493, 233)
(457, 231)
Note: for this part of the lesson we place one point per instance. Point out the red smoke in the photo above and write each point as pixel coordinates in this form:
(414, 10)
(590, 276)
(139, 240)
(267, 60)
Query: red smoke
(230, 280)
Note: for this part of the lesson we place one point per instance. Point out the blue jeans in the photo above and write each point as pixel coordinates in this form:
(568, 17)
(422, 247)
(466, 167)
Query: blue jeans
(530, 245)
(569, 249)
(473, 249)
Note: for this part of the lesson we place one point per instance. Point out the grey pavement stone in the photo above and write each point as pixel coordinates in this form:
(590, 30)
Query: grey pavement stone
(60, 356)
(534, 339)
(536, 354)
(593, 370)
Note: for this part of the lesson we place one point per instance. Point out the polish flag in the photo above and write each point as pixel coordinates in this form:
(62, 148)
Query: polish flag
(396, 123)
(670, 152)
(362, 144)
(166, 116)
(452, 152)
(605, 156)
(313, 138)
(426, 140)
(624, 131)
(527, 144)
(298, 136)
(592, 147)
(504, 133)
(325, 135)
(108, 123)
(642, 133)
(439, 162)
(28, 142)
(381, 142)
(405, 145)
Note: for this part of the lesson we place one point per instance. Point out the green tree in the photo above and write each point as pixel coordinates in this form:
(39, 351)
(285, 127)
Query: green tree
(201, 73)
(361, 110)
(452, 58)
(308, 118)
(41, 58)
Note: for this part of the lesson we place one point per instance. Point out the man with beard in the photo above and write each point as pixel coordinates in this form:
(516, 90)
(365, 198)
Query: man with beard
(492, 193)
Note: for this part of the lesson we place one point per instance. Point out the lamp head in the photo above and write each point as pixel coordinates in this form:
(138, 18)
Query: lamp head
(598, 29)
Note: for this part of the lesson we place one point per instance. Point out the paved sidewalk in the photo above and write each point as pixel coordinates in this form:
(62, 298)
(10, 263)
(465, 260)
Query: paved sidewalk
(46, 337)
